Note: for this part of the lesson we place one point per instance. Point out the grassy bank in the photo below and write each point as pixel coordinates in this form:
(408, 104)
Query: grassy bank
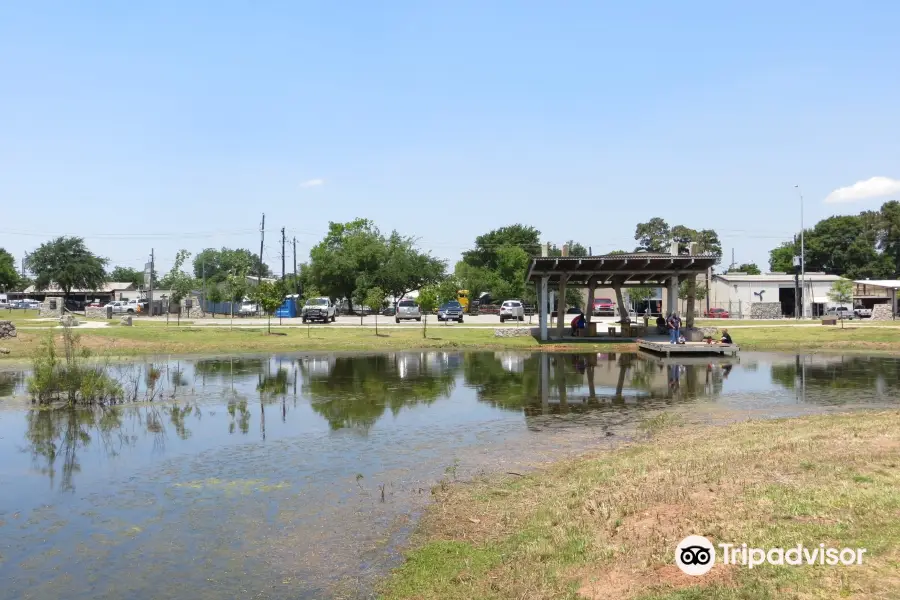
(157, 339)
(130, 341)
(606, 526)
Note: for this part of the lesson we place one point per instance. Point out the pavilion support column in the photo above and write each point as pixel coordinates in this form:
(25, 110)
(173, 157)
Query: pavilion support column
(544, 311)
(561, 306)
(620, 300)
(589, 309)
(673, 294)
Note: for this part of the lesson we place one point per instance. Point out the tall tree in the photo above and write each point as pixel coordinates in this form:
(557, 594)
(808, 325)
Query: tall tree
(348, 252)
(268, 296)
(405, 268)
(653, 236)
(215, 265)
(748, 268)
(127, 274)
(485, 254)
(67, 263)
(889, 233)
(9, 278)
(781, 259)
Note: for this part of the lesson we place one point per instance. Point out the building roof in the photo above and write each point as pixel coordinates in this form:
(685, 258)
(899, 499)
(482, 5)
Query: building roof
(107, 288)
(885, 283)
(644, 268)
(774, 277)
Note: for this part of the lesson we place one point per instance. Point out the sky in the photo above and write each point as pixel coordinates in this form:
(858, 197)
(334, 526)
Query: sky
(172, 125)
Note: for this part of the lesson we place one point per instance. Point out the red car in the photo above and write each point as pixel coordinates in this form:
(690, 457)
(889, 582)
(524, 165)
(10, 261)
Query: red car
(717, 313)
(604, 306)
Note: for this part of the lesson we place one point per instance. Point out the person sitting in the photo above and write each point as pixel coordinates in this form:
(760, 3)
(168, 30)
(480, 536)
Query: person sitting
(577, 323)
(661, 325)
(726, 338)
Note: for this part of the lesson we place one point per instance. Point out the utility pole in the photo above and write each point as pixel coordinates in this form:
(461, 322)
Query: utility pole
(731, 268)
(262, 239)
(802, 256)
(282, 253)
(295, 257)
(150, 291)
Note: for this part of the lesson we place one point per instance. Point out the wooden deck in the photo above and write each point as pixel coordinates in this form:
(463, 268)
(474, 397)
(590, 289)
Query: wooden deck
(688, 348)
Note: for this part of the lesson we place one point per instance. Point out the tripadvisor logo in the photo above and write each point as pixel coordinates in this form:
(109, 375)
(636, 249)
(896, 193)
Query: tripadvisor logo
(695, 555)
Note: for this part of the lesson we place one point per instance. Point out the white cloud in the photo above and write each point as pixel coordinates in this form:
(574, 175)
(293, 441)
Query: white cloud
(312, 183)
(876, 187)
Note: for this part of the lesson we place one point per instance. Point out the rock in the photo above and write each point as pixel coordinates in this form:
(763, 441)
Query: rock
(765, 310)
(881, 312)
(698, 334)
(515, 331)
(125, 322)
(68, 321)
(7, 330)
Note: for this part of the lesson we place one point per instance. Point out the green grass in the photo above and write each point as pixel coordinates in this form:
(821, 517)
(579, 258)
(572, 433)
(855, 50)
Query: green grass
(154, 337)
(606, 525)
(149, 339)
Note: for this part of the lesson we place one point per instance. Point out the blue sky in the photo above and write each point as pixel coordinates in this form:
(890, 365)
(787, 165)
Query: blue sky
(176, 125)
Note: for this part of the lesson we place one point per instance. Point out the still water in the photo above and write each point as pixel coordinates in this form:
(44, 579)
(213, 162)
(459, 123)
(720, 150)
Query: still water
(295, 476)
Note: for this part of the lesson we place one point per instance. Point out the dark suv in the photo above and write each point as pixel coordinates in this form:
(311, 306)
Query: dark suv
(451, 311)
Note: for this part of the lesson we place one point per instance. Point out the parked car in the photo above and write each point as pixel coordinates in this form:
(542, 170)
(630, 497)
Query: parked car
(863, 313)
(407, 310)
(451, 311)
(390, 311)
(512, 309)
(318, 309)
(717, 313)
(604, 306)
(839, 312)
(121, 307)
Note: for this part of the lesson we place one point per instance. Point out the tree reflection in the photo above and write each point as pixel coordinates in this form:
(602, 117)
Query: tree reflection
(229, 369)
(9, 381)
(359, 389)
(879, 374)
(57, 436)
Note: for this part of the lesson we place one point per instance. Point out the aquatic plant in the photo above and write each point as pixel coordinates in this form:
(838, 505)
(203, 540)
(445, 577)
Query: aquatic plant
(67, 378)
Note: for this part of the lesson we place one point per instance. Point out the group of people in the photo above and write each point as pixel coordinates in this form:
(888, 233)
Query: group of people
(672, 326)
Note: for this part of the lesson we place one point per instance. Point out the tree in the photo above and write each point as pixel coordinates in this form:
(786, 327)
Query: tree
(127, 274)
(9, 278)
(485, 252)
(889, 232)
(405, 268)
(348, 251)
(781, 259)
(215, 265)
(748, 268)
(269, 297)
(841, 293)
(428, 301)
(653, 236)
(640, 294)
(375, 300)
(214, 295)
(67, 263)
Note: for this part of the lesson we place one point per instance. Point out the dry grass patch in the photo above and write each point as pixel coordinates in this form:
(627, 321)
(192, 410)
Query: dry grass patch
(606, 526)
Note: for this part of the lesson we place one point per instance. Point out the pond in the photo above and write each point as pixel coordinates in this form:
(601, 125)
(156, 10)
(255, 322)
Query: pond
(301, 476)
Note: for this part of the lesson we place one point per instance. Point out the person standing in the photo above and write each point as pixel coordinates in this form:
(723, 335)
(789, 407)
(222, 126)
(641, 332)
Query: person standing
(674, 325)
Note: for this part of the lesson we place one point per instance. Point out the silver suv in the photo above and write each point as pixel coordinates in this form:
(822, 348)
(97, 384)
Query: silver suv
(407, 310)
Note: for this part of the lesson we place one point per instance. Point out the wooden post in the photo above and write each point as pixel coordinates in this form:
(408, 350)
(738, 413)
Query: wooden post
(561, 306)
(589, 309)
(544, 311)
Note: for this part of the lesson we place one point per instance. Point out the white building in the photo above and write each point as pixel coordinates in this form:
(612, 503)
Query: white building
(736, 292)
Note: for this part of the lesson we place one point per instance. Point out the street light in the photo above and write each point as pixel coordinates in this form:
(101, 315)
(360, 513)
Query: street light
(802, 259)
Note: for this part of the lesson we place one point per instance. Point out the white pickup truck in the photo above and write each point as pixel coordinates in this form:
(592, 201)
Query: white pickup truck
(120, 307)
(318, 309)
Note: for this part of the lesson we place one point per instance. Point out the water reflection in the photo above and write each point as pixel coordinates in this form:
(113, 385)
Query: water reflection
(357, 390)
